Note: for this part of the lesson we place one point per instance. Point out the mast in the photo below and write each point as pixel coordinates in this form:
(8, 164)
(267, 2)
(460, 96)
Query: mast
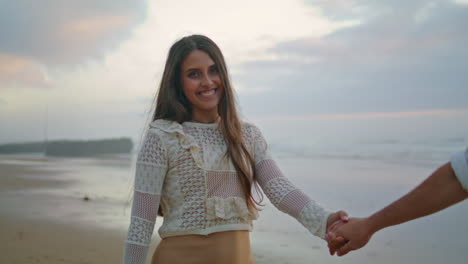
(46, 129)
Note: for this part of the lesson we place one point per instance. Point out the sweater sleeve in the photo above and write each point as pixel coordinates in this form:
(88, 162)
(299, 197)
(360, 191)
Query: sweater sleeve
(283, 194)
(459, 162)
(151, 167)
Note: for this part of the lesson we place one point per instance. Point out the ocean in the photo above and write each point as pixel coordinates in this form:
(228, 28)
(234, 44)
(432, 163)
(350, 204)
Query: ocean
(354, 163)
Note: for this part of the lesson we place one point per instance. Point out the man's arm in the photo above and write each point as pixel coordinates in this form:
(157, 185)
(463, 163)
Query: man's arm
(440, 190)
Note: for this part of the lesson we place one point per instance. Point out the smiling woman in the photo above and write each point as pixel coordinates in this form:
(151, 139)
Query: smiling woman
(198, 167)
(202, 86)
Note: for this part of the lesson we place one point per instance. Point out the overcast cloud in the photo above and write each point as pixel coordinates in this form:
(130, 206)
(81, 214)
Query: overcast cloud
(40, 36)
(403, 57)
(64, 31)
(95, 65)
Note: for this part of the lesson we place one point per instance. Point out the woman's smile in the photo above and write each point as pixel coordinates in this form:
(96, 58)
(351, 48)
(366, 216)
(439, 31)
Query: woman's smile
(208, 94)
(202, 85)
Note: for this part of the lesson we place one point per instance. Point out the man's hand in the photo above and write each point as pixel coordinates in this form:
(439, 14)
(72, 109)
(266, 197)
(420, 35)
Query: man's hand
(440, 190)
(343, 238)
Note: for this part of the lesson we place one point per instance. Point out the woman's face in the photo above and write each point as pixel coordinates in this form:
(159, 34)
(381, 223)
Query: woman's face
(202, 85)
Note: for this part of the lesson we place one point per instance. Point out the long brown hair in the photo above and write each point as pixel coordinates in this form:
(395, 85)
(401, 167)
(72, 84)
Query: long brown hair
(171, 104)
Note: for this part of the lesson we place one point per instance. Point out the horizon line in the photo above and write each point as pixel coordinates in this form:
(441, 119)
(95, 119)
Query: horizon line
(363, 115)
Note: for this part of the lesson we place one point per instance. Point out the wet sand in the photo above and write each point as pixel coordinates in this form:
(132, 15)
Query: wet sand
(32, 233)
(40, 226)
(34, 241)
(44, 218)
(17, 177)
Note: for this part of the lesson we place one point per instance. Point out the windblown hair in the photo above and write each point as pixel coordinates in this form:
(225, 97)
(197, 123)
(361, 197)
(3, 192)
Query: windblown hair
(171, 104)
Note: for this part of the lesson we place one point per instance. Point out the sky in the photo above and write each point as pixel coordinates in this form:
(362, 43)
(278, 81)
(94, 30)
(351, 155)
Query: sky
(90, 69)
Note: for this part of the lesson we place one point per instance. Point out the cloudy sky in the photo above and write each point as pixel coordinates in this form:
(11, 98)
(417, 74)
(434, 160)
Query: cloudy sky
(91, 68)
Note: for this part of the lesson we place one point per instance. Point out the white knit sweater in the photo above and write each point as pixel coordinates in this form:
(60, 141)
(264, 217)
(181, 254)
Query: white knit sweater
(182, 167)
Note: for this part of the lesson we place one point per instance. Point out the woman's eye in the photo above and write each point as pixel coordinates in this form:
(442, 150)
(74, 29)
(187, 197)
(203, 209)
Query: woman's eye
(214, 70)
(194, 74)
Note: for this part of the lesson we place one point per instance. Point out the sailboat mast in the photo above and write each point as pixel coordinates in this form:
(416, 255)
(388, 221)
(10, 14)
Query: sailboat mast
(46, 129)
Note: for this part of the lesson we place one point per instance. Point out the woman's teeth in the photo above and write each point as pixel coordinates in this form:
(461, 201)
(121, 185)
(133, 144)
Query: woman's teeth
(208, 92)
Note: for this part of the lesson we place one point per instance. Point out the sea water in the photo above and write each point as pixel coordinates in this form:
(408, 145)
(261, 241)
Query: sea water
(361, 165)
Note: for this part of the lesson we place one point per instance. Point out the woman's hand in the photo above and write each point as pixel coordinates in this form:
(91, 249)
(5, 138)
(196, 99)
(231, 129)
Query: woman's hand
(333, 222)
(340, 216)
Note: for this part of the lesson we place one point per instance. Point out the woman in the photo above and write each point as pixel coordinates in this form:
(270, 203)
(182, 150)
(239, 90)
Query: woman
(199, 165)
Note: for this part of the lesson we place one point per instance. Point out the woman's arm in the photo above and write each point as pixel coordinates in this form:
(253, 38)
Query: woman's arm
(151, 169)
(287, 197)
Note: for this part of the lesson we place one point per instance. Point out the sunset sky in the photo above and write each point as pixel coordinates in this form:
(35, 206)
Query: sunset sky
(91, 68)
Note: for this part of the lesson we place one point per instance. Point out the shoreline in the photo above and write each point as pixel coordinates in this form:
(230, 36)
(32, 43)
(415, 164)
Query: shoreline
(41, 227)
(45, 219)
(20, 177)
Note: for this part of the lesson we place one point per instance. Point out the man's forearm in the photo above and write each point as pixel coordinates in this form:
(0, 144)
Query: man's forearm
(440, 190)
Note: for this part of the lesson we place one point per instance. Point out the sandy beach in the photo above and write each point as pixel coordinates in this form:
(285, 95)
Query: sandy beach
(30, 235)
(45, 219)
(39, 226)
(33, 241)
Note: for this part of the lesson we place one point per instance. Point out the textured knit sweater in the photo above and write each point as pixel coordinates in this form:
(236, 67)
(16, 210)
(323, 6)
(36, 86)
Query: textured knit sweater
(183, 169)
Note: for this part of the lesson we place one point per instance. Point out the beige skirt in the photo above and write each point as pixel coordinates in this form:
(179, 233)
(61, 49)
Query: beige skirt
(229, 247)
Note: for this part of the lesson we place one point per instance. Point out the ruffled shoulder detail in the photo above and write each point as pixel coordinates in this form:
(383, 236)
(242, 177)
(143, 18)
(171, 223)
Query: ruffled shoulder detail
(227, 208)
(167, 126)
(186, 141)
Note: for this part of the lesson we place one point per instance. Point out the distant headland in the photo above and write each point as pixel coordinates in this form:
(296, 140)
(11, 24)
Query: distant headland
(71, 148)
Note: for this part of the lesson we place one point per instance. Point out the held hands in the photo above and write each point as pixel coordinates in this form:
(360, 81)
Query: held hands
(335, 220)
(343, 237)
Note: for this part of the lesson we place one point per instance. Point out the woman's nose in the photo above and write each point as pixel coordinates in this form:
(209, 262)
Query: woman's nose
(207, 80)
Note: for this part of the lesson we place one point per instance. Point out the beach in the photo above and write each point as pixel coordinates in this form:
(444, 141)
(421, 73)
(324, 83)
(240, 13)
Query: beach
(41, 241)
(45, 218)
(77, 210)
(35, 229)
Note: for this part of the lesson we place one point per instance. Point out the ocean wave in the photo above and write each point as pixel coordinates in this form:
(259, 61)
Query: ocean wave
(385, 150)
(22, 162)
